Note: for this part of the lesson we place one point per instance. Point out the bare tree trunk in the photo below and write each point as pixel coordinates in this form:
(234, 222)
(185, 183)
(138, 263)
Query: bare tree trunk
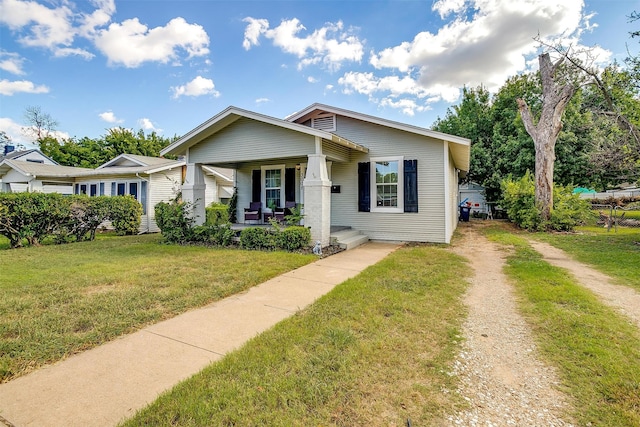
(555, 97)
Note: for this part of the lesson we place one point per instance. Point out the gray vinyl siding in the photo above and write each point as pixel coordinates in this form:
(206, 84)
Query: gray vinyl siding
(453, 192)
(335, 152)
(429, 224)
(250, 140)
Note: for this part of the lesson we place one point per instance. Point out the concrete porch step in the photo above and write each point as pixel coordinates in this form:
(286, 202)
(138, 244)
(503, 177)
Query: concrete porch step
(348, 238)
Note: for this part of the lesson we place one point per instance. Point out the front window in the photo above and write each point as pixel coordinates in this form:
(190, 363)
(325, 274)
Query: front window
(273, 186)
(387, 186)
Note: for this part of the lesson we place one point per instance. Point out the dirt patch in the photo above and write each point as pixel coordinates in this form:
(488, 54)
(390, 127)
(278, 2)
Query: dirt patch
(502, 378)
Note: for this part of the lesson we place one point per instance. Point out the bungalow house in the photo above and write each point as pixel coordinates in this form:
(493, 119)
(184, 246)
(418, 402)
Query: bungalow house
(389, 180)
(30, 170)
(149, 180)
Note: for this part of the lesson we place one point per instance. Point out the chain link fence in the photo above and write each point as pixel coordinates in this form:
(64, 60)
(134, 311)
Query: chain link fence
(617, 215)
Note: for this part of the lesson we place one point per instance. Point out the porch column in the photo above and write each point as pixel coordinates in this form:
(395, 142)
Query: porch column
(317, 199)
(193, 191)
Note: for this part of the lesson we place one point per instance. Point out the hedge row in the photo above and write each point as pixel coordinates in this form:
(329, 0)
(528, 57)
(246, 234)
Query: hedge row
(35, 216)
(177, 226)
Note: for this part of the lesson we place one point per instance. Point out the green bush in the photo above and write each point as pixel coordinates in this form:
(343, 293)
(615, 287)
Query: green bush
(217, 213)
(518, 198)
(34, 216)
(258, 238)
(288, 239)
(175, 221)
(293, 238)
(125, 215)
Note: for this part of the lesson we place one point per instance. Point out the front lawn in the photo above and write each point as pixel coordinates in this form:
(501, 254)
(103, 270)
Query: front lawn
(374, 351)
(58, 300)
(615, 253)
(595, 349)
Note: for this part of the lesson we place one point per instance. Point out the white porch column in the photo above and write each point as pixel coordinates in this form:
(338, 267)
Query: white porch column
(193, 191)
(317, 199)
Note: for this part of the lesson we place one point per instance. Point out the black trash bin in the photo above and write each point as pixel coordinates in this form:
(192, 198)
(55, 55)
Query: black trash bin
(464, 213)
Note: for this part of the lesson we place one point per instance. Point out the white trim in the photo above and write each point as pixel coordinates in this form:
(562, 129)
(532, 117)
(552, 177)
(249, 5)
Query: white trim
(373, 184)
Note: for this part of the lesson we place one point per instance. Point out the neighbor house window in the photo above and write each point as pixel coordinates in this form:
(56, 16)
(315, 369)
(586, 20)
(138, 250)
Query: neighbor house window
(387, 185)
(273, 185)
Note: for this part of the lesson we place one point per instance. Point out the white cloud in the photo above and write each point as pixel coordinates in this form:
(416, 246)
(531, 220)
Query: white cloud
(483, 42)
(330, 45)
(312, 79)
(44, 27)
(196, 87)
(8, 88)
(445, 7)
(14, 131)
(487, 48)
(407, 106)
(109, 117)
(132, 43)
(11, 63)
(146, 124)
(262, 100)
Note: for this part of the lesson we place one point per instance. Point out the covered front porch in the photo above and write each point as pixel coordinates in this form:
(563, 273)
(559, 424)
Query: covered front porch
(275, 162)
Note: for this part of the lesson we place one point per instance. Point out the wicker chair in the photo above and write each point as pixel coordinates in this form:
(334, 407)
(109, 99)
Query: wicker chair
(253, 212)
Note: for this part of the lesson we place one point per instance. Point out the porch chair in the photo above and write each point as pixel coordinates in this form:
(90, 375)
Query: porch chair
(280, 213)
(253, 212)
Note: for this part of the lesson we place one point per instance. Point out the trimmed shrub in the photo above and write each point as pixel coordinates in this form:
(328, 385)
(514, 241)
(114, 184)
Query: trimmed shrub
(217, 213)
(293, 238)
(34, 216)
(258, 238)
(125, 215)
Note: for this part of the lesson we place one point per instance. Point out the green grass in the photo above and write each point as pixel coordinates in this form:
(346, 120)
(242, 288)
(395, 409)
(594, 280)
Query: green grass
(58, 300)
(616, 254)
(596, 350)
(374, 351)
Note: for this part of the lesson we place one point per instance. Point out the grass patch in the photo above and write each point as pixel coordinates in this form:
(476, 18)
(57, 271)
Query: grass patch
(596, 351)
(374, 351)
(62, 299)
(616, 254)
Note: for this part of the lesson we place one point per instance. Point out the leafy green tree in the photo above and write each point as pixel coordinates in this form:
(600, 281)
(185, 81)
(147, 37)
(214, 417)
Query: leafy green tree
(90, 153)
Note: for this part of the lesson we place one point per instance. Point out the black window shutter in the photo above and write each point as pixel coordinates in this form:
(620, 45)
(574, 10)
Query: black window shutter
(290, 184)
(256, 187)
(411, 186)
(364, 187)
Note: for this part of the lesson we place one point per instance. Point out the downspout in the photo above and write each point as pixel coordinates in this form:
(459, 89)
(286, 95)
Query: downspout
(146, 201)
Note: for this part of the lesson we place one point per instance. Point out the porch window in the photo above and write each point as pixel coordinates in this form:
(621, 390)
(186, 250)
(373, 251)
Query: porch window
(272, 177)
(387, 185)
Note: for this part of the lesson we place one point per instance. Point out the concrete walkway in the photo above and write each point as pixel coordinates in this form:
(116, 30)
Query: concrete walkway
(108, 384)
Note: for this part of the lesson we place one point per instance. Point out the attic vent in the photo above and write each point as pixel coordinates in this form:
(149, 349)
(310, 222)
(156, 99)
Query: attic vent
(326, 123)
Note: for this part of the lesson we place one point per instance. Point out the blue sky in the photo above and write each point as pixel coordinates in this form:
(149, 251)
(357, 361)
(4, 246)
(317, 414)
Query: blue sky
(169, 65)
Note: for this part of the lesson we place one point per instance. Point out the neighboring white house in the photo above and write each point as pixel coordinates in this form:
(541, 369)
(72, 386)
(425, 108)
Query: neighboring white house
(390, 180)
(18, 176)
(149, 180)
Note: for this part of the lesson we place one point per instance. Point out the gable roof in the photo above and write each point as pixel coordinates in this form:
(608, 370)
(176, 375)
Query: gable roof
(231, 114)
(126, 159)
(41, 169)
(15, 155)
(460, 147)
